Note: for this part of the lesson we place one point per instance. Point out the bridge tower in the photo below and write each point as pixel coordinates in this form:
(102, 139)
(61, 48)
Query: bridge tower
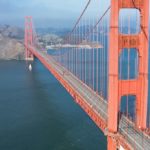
(28, 37)
(138, 87)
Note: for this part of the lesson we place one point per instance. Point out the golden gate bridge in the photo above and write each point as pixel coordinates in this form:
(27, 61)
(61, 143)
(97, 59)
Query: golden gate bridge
(104, 67)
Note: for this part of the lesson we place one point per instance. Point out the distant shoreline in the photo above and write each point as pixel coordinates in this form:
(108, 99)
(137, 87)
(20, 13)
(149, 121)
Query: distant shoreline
(80, 46)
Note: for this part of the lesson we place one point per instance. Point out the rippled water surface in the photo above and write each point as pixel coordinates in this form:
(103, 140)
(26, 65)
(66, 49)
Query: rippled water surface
(36, 113)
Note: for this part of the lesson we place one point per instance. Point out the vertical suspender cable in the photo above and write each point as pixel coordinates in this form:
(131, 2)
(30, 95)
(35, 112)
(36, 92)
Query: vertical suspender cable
(97, 82)
(93, 57)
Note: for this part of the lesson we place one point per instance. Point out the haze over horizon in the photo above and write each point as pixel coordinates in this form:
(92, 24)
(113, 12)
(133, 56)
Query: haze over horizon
(47, 13)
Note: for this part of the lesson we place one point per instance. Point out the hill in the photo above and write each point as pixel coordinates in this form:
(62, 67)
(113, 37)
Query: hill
(11, 43)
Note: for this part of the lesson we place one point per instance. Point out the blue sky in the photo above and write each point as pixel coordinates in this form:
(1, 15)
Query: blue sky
(44, 12)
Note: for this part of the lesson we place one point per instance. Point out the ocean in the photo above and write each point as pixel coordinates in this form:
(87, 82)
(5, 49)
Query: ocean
(37, 113)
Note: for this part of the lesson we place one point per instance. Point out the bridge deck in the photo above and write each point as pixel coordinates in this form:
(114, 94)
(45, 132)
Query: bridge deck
(133, 137)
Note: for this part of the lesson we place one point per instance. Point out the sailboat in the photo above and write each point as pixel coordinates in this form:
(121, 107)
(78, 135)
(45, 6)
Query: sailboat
(30, 67)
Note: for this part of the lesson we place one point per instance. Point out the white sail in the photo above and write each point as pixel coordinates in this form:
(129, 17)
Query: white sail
(30, 67)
